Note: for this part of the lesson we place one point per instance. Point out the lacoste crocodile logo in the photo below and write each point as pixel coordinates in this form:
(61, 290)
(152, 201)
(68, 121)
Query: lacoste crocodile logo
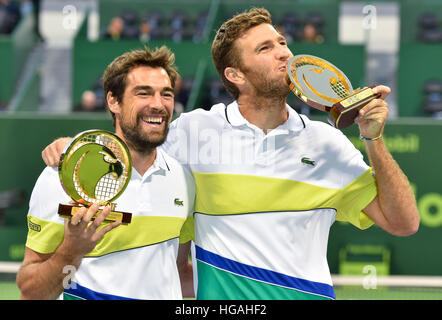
(308, 161)
(178, 202)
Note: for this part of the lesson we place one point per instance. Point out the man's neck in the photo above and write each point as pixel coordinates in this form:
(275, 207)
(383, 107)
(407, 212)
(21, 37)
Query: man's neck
(142, 161)
(265, 113)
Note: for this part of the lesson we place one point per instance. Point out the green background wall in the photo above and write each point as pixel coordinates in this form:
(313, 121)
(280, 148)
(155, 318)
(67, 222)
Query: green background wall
(415, 145)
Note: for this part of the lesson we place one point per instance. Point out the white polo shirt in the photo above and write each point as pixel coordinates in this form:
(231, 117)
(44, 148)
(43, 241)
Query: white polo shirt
(265, 202)
(134, 261)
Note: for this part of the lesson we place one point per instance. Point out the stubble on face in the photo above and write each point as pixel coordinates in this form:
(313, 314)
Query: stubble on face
(264, 86)
(140, 141)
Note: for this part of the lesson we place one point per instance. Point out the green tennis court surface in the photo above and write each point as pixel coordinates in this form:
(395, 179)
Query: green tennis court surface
(389, 294)
(9, 291)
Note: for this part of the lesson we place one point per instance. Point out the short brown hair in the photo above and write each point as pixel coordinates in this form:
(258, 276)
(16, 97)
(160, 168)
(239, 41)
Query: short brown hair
(115, 75)
(224, 53)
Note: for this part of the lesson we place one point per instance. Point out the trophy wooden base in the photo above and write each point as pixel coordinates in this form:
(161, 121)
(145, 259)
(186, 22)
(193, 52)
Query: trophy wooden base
(68, 211)
(343, 113)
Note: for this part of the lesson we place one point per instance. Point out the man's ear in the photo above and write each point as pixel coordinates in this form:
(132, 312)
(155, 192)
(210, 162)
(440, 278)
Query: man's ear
(234, 75)
(112, 103)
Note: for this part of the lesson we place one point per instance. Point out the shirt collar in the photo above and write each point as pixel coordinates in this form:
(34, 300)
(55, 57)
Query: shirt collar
(158, 164)
(160, 161)
(234, 117)
(294, 122)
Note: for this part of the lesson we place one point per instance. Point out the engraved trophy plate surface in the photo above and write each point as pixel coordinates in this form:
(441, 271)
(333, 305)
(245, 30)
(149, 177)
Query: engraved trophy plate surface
(95, 168)
(323, 86)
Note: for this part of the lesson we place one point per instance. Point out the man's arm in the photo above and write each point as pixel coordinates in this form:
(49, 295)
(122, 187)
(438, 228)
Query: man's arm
(51, 154)
(41, 275)
(394, 209)
(185, 270)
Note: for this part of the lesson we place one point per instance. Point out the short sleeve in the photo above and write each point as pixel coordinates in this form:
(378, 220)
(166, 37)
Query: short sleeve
(45, 227)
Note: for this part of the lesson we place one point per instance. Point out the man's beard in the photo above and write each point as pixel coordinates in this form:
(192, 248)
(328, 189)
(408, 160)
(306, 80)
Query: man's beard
(271, 89)
(140, 143)
(268, 88)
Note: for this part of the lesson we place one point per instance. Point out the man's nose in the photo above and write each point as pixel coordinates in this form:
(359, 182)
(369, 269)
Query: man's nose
(157, 101)
(284, 53)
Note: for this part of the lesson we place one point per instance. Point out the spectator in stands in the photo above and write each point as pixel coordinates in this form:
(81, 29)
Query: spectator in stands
(144, 31)
(156, 22)
(130, 24)
(9, 16)
(181, 28)
(288, 37)
(200, 26)
(89, 103)
(115, 29)
(429, 30)
(311, 34)
(290, 26)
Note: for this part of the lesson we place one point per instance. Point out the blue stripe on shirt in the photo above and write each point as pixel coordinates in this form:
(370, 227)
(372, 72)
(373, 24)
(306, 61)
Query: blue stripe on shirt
(264, 275)
(87, 294)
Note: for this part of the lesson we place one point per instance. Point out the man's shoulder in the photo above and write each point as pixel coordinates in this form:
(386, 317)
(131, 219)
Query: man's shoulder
(49, 175)
(179, 171)
(202, 116)
(170, 161)
(46, 195)
(324, 135)
(173, 164)
(320, 127)
(48, 183)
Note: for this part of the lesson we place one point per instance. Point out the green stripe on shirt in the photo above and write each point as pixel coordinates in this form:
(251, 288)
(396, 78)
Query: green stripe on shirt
(142, 231)
(221, 194)
(221, 285)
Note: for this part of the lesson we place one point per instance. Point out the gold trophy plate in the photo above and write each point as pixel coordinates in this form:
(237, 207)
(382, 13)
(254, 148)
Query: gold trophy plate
(323, 86)
(95, 168)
